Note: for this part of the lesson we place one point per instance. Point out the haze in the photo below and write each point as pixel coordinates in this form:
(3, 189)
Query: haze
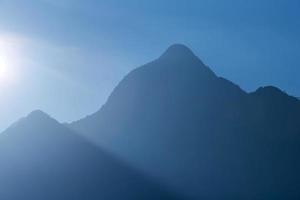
(65, 57)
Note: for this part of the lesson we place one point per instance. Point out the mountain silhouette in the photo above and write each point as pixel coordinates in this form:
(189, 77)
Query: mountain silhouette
(42, 159)
(201, 134)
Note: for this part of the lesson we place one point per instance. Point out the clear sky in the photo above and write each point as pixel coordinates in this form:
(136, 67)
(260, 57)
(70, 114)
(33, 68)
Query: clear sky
(66, 56)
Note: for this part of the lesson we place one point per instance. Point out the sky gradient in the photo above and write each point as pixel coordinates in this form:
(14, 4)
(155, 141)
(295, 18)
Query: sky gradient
(66, 56)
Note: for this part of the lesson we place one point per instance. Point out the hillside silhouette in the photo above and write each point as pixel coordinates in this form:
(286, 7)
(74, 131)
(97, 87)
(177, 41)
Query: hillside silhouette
(201, 134)
(42, 159)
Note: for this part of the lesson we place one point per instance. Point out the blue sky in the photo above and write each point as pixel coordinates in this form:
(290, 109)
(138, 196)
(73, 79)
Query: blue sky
(66, 56)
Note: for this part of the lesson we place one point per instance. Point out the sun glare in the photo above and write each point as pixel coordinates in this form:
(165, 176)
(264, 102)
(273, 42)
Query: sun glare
(8, 65)
(6, 75)
(3, 68)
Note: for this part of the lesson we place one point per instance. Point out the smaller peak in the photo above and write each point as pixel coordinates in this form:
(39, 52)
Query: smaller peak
(269, 89)
(34, 118)
(273, 93)
(38, 114)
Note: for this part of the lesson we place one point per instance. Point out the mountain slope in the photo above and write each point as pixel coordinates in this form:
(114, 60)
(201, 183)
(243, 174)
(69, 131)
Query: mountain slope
(42, 159)
(199, 133)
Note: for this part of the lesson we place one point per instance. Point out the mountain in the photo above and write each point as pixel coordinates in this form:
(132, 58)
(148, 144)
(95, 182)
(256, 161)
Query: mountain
(201, 134)
(42, 159)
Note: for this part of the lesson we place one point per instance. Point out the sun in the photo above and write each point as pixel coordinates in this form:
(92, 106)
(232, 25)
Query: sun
(6, 72)
(7, 66)
(3, 68)
(11, 61)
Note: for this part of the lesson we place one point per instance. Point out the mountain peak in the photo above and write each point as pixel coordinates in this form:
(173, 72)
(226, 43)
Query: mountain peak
(270, 91)
(35, 119)
(178, 51)
(38, 117)
(38, 114)
(180, 48)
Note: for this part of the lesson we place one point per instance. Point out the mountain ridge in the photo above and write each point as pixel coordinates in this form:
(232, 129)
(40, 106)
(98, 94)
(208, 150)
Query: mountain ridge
(174, 113)
(175, 120)
(42, 159)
